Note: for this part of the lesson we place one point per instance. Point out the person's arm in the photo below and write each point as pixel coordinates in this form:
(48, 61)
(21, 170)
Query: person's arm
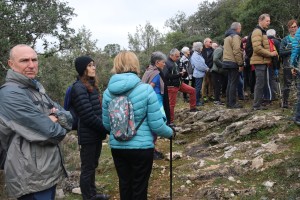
(64, 118)
(24, 113)
(84, 109)
(295, 49)
(155, 81)
(285, 48)
(168, 72)
(217, 57)
(237, 51)
(105, 115)
(198, 63)
(155, 117)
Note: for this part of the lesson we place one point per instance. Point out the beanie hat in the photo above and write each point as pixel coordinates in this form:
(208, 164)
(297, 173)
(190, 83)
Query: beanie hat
(81, 64)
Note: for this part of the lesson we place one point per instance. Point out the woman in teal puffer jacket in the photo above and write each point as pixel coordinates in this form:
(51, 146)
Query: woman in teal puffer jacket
(134, 158)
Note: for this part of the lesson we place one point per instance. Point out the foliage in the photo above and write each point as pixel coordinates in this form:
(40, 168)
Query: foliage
(177, 23)
(145, 38)
(280, 12)
(58, 72)
(23, 22)
(30, 22)
(112, 49)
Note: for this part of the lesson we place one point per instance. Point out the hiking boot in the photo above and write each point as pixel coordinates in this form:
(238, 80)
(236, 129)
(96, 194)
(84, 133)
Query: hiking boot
(211, 98)
(285, 105)
(297, 122)
(266, 103)
(172, 125)
(235, 106)
(199, 104)
(194, 110)
(158, 155)
(260, 108)
(219, 103)
(100, 197)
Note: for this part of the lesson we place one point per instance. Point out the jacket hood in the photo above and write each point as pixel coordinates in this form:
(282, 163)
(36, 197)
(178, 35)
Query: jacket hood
(16, 77)
(121, 83)
(230, 32)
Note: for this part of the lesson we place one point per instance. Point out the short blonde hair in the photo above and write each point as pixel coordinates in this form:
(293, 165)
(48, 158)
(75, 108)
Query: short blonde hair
(126, 61)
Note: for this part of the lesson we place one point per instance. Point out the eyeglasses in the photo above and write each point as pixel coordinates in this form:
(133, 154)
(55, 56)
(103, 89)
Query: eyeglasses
(294, 27)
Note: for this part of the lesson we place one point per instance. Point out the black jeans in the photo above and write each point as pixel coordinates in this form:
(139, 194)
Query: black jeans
(218, 82)
(134, 167)
(89, 155)
(287, 83)
(233, 79)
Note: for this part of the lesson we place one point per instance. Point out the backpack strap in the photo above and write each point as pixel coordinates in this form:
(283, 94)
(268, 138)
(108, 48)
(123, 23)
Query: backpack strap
(138, 126)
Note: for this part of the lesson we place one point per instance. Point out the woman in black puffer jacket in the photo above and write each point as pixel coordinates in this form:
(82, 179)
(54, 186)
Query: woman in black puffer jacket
(87, 105)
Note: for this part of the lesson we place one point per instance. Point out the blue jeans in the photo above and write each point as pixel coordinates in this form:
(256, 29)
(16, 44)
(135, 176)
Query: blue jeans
(199, 82)
(240, 87)
(48, 194)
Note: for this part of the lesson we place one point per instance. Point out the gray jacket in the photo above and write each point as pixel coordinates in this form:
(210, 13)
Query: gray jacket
(218, 60)
(34, 161)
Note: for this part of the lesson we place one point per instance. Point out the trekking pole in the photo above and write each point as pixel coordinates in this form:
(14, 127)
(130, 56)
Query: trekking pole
(171, 168)
(280, 94)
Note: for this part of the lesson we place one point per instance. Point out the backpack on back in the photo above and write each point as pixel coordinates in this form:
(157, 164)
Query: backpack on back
(249, 47)
(68, 106)
(121, 117)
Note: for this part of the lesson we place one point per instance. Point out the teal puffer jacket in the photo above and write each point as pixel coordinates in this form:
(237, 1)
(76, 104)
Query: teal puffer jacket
(144, 102)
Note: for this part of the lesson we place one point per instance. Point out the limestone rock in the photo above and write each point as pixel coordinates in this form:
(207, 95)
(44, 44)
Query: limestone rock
(76, 191)
(59, 194)
(257, 162)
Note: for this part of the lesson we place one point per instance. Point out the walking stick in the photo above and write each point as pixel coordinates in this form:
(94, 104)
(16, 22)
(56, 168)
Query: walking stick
(171, 168)
(280, 94)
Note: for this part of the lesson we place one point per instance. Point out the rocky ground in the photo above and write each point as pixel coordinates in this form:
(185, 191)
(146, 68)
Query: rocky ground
(218, 153)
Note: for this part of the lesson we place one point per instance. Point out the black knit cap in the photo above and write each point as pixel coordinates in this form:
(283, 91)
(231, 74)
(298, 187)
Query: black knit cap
(81, 64)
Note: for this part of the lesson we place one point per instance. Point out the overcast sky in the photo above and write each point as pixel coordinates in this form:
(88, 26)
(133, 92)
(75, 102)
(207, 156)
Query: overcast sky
(110, 21)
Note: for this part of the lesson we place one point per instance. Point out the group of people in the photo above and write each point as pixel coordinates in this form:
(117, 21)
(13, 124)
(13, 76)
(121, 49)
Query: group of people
(241, 68)
(34, 163)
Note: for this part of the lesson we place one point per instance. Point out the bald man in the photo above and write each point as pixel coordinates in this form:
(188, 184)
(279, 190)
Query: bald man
(33, 165)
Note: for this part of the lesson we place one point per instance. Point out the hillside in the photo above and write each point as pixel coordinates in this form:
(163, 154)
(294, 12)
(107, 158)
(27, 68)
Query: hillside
(218, 153)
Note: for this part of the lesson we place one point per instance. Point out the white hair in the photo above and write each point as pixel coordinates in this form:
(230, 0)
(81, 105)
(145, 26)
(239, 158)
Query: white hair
(184, 49)
(271, 32)
(197, 46)
(235, 25)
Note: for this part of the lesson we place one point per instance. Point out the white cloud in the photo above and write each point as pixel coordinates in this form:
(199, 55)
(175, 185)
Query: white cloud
(110, 21)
